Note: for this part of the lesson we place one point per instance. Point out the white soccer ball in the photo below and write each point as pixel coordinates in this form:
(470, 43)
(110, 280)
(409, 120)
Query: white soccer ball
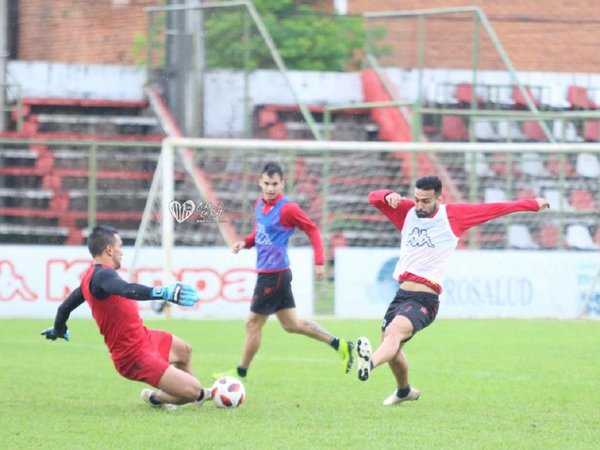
(228, 392)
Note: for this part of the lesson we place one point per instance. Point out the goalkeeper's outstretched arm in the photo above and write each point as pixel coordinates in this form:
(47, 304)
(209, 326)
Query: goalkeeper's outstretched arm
(60, 330)
(107, 282)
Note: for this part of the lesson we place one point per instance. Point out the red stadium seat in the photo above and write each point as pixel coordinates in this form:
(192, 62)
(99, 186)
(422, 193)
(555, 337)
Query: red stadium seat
(579, 99)
(454, 129)
(519, 98)
(533, 131)
(549, 236)
(553, 166)
(582, 200)
(525, 193)
(591, 130)
(464, 93)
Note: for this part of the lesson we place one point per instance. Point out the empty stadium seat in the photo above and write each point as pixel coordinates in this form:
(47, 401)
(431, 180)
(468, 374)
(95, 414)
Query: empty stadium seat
(525, 193)
(587, 165)
(555, 97)
(578, 237)
(549, 236)
(464, 94)
(519, 98)
(499, 165)
(582, 200)
(484, 131)
(510, 131)
(533, 165)
(454, 129)
(519, 237)
(554, 166)
(591, 130)
(533, 131)
(556, 200)
(482, 168)
(565, 131)
(492, 195)
(579, 99)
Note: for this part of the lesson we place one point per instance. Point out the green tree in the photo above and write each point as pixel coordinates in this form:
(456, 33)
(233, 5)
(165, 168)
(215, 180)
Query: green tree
(305, 39)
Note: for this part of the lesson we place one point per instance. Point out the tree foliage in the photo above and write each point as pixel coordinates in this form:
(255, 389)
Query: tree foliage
(305, 39)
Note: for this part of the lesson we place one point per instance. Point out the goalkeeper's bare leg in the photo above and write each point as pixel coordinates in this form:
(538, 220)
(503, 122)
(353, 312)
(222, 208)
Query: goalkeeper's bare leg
(178, 385)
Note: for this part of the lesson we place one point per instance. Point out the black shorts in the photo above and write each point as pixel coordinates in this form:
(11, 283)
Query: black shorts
(419, 307)
(273, 291)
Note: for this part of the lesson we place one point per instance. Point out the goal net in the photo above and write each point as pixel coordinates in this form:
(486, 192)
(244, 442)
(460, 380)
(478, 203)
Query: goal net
(204, 190)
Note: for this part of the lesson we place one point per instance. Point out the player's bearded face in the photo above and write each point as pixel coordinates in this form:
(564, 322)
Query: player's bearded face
(271, 186)
(426, 202)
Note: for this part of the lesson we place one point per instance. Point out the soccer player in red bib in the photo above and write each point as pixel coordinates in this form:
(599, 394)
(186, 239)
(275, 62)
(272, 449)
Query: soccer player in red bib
(276, 219)
(155, 357)
(430, 231)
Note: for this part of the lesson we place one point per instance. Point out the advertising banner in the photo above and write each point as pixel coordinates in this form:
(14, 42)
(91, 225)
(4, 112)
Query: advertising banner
(478, 284)
(34, 280)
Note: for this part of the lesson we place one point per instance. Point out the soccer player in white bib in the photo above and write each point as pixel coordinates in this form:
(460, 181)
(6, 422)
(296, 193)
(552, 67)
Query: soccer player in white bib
(430, 231)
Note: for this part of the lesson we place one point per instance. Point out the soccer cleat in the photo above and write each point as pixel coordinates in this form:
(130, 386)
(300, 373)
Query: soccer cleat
(363, 351)
(227, 373)
(395, 400)
(207, 396)
(345, 352)
(147, 393)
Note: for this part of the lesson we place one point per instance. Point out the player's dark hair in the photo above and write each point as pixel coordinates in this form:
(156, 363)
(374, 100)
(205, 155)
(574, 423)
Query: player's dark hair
(272, 168)
(430, 183)
(100, 237)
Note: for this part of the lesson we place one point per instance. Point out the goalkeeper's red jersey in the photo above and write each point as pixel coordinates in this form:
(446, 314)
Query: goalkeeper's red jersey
(118, 319)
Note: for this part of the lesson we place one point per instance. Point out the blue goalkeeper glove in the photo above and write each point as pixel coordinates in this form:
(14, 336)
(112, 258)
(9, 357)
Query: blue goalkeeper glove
(51, 334)
(179, 293)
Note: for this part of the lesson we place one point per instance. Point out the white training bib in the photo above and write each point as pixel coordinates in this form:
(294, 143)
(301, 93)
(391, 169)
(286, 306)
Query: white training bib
(426, 245)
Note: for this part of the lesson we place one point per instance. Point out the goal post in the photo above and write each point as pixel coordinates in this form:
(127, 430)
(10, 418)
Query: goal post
(331, 180)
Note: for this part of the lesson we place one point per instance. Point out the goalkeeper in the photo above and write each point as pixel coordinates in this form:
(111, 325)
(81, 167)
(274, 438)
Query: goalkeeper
(155, 357)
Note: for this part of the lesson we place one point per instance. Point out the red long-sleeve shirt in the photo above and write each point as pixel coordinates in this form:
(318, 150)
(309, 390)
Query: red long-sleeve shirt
(293, 216)
(461, 217)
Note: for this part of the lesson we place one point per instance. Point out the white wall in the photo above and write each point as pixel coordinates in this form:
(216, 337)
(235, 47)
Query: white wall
(225, 88)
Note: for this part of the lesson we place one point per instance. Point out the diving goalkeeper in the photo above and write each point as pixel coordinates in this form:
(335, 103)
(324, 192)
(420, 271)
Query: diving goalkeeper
(155, 357)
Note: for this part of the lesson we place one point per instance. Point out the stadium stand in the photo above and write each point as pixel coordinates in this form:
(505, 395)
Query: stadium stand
(44, 194)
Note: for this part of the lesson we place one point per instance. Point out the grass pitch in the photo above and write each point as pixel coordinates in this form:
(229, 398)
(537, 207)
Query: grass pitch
(485, 384)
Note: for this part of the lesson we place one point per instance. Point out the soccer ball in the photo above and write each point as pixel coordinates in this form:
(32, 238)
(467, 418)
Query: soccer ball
(228, 392)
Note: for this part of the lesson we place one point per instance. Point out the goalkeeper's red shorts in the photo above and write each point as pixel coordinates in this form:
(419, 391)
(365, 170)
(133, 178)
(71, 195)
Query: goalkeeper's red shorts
(149, 363)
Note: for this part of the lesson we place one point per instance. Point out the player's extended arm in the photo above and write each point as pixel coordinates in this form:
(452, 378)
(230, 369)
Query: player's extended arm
(60, 330)
(107, 282)
(393, 205)
(463, 216)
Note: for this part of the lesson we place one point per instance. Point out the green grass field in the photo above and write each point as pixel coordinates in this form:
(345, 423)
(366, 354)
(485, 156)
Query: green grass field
(485, 384)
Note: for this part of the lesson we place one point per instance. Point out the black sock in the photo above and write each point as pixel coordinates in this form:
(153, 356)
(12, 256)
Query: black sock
(335, 343)
(153, 400)
(403, 392)
(242, 371)
(201, 396)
